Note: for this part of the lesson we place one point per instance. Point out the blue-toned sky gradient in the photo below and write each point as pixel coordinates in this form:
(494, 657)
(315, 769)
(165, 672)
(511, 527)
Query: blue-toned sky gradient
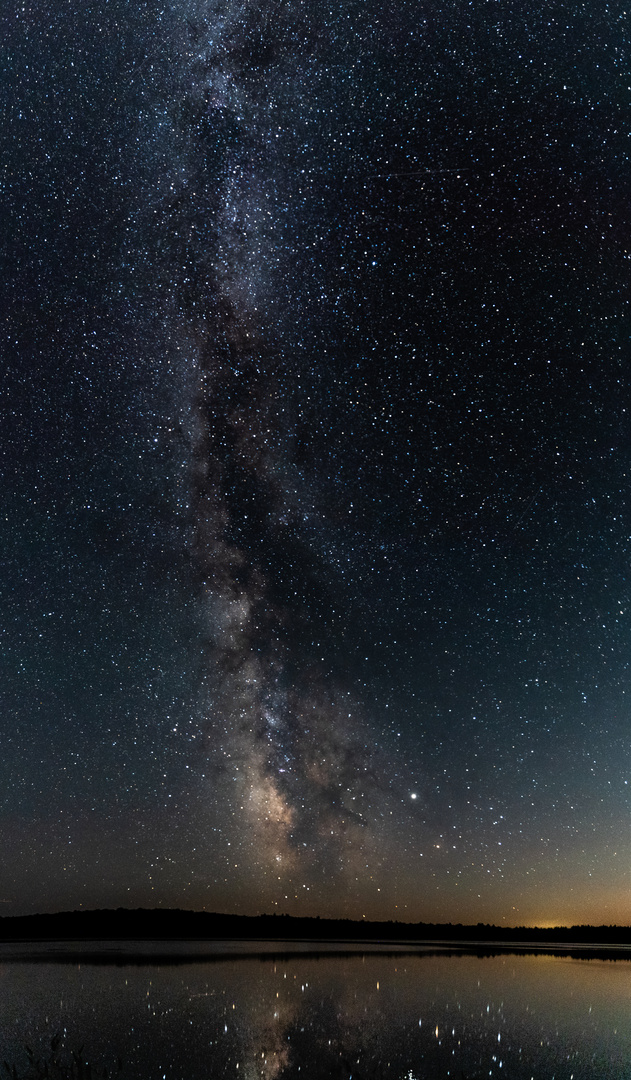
(316, 454)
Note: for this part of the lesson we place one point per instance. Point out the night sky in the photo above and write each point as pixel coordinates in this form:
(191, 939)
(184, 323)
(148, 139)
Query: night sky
(316, 452)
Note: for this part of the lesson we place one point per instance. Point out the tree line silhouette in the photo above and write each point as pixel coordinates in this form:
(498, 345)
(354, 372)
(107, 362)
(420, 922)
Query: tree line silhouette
(175, 923)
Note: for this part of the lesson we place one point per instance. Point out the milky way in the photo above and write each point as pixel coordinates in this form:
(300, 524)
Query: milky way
(289, 747)
(316, 453)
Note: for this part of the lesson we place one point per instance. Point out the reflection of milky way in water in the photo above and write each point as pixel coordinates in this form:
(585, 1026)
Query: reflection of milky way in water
(370, 1017)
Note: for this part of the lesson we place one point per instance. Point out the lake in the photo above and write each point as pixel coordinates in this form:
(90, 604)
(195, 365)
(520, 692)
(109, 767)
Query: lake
(182, 1011)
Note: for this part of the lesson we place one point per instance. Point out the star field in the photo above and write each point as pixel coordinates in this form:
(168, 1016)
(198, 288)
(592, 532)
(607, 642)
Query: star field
(316, 458)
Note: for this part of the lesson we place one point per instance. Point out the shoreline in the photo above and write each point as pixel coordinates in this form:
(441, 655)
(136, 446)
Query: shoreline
(177, 951)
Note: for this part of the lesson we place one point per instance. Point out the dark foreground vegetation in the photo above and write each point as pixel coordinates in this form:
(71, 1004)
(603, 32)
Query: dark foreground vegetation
(58, 1064)
(158, 924)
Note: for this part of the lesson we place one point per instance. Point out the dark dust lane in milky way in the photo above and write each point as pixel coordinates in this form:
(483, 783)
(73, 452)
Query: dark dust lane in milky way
(293, 762)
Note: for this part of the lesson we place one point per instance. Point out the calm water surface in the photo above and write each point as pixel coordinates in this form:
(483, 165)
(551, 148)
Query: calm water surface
(410, 1016)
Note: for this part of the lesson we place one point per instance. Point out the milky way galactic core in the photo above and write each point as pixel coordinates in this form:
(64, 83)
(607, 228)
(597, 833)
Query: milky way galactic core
(316, 444)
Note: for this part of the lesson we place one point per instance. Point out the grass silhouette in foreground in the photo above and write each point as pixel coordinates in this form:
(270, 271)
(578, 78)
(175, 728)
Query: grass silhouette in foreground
(59, 1065)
